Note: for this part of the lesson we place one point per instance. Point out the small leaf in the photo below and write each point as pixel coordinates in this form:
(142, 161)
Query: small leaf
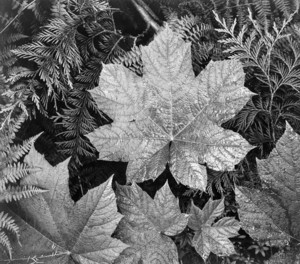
(148, 223)
(210, 236)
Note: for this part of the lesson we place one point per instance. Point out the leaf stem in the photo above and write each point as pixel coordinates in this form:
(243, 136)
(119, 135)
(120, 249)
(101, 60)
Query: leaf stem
(17, 16)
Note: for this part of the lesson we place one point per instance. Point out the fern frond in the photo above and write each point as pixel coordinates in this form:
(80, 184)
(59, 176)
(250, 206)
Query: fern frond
(89, 76)
(256, 106)
(55, 53)
(10, 125)
(109, 47)
(4, 241)
(132, 60)
(88, 7)
(16, 193)
(8, 42)
(6, 56)
(10, 39)
(259, 133)
(99, 37)
(41, 10)
(202, 52)
(220, 181)
(293, 119)
(199, 34)
(11, 169)
(279, 69)
(98, 42)
(263, 11)
(257, 49)
(287, 7)
(13, 172)
(78, 33)
(18, 151)
(190, 28)
(10, 109)
(17, 74)
(287, 66)
(12, 115)
(7, 222)
(15, 96)
(78, 121)
(287, 106)
(266, 12)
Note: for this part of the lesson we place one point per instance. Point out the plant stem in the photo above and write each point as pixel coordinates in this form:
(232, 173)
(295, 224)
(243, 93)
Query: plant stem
(17, 16)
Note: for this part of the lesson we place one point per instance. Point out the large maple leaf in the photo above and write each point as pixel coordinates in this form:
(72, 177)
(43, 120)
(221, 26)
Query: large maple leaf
(147, 225)
(54, 230)
(170, 116)
(211, 236)
(272, 214)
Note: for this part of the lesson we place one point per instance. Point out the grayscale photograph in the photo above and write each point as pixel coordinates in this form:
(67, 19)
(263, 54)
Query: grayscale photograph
(149, 131)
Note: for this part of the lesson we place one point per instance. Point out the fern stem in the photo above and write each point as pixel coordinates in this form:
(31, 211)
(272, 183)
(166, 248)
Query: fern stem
(10, 22)
(147, 14)
(112, 49)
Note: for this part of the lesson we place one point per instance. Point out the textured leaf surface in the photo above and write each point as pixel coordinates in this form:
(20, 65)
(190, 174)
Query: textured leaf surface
(55, 230)
(210, 236)
(148, 223)
(168, 104)
(257, 211)
(273, 213)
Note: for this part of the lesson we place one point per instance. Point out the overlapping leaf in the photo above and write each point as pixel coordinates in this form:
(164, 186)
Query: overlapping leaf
(272, 214)
(170, 116)
(54, 230)
(147, 225)
(210, 236)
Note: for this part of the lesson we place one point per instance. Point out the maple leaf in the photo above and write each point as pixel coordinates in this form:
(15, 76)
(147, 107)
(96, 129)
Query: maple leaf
(148, 223)
(54, 230)
(210, 236)
(272, 214)
(170, 116)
